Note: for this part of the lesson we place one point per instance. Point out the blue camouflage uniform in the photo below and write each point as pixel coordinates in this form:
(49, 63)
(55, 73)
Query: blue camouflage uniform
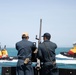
(25, 49)
(43, 55)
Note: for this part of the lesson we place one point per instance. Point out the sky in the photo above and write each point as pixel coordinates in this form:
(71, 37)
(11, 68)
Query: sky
(18, 16)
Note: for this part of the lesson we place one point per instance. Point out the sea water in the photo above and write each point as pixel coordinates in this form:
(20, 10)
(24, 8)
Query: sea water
(13, 52)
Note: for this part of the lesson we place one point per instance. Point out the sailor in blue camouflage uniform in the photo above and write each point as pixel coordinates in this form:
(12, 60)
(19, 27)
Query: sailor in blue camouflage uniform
(46, 54)
(25, 49)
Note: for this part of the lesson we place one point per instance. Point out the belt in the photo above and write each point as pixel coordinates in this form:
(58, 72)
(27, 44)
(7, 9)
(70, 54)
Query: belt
(53, 62)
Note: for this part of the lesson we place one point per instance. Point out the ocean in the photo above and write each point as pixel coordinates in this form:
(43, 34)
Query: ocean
(13, 52)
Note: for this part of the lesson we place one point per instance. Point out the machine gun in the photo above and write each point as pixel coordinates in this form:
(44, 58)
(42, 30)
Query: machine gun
(39, 41)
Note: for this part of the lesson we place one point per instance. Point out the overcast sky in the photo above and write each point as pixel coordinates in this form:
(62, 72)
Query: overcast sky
(18, 16)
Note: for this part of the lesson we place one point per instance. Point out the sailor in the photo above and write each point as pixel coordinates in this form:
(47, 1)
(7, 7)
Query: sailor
(72, 51)
(25, 48)
(46, 54)
(4, 52)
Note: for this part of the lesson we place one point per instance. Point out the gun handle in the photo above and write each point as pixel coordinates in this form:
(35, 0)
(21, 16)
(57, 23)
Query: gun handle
(38, 67)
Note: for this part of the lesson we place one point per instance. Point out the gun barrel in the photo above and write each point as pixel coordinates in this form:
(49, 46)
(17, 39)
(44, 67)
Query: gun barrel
(40, 31)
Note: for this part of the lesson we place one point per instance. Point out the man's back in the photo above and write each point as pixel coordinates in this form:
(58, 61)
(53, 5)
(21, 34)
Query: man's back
(43, 53)
(46, 54)
(25, 49)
